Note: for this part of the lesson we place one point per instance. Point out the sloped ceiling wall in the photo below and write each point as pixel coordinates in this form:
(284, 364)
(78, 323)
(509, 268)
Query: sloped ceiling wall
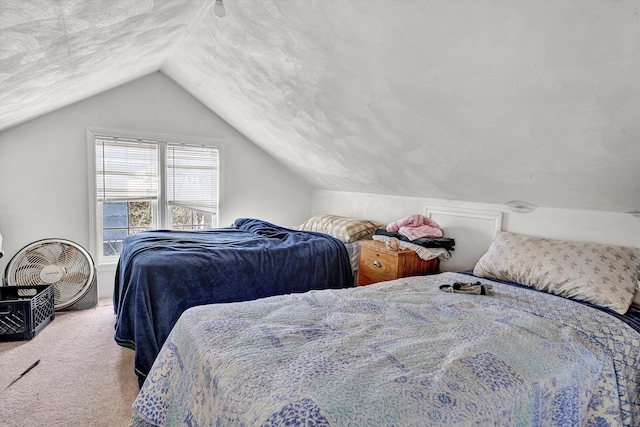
(470, 100)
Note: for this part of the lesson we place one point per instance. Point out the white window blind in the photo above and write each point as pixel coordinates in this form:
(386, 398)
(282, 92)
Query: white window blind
(192, 177)
(126, 169)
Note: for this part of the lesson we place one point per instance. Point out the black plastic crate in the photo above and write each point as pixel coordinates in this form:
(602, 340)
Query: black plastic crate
(24, 311)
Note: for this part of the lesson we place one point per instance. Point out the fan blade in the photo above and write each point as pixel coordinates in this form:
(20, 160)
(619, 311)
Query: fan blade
(76, 277)
(52, 251)
(27, 278)
(77, 269)
(36, 258)
(67, 256)
(64, 292)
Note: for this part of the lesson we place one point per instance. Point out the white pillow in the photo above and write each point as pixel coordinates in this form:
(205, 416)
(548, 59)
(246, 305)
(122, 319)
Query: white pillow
(604, 275)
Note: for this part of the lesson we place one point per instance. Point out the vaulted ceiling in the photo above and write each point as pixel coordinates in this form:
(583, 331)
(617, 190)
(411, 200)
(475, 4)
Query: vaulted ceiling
(469, 100)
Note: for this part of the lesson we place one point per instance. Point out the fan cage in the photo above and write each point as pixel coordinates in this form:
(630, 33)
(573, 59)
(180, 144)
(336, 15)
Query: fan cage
(60, 262)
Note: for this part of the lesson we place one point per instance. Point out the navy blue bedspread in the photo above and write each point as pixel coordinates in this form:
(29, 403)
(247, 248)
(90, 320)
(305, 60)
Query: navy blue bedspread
(162, 273)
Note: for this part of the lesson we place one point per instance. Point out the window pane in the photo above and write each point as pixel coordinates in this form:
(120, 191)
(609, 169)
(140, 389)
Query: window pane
(134, 230)
(140, 214)
(188, 219)
(192, 177)
(121, 219)
(114, 215)
(126, 169)
(112, 241)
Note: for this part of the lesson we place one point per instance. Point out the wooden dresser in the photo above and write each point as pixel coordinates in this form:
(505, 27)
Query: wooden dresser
(377, 263)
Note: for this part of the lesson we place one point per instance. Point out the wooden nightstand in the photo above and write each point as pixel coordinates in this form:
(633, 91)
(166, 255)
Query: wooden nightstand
(376, 263)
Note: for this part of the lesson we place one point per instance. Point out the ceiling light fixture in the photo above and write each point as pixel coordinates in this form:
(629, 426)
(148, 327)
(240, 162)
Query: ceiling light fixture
(520, 206)
(218, 9)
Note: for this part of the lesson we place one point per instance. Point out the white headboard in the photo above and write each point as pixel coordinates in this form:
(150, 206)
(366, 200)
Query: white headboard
(472, 230)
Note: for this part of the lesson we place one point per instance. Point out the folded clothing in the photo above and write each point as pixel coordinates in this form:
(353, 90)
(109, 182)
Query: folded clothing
(415, 226)
(422, 252)
(425, 242)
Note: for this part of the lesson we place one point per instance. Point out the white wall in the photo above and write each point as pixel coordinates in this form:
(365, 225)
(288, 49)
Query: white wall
(43, 165)
(616, 228)
(43, 177)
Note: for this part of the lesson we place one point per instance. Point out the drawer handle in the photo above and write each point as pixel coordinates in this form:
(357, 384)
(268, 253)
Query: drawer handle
(377, 263)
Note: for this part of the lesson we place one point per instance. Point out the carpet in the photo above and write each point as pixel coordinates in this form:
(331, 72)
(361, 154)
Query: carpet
(83, 379)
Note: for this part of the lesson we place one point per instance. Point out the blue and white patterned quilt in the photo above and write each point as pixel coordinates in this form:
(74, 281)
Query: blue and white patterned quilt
(399, 353)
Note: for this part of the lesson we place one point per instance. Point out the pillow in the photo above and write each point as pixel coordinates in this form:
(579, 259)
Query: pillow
(343, 228)
(604, 275)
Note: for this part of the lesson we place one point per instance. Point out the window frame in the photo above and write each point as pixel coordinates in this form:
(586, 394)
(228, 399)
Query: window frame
(161, 208)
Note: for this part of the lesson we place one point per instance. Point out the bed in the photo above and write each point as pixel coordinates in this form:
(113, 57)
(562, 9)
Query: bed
(160, 274)
(406, 353)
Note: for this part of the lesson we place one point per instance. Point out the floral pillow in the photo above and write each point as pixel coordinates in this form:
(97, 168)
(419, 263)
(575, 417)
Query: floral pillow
(604, 275)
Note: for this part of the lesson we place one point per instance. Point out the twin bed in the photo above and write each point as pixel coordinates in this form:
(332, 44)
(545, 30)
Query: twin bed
(556, 342)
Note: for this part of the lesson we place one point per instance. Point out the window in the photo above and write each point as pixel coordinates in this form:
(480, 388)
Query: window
(143, 184)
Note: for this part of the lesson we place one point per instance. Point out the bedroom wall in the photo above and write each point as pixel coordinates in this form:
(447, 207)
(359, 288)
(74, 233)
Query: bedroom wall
(616, 228)
(43, 165)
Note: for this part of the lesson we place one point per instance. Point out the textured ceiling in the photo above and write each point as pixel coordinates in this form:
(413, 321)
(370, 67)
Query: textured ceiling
(470, 100)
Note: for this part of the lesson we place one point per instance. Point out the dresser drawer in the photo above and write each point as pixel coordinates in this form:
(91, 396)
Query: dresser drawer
(377, 263)
(376, 266)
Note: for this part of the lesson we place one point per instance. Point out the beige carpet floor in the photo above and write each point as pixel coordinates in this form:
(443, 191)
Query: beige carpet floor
(83, 379)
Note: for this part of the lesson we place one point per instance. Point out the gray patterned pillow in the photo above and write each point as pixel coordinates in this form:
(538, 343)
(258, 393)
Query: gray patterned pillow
(604, 275)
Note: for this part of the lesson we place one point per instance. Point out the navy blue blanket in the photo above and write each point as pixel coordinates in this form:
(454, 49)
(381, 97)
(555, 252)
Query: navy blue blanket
(161, 273)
